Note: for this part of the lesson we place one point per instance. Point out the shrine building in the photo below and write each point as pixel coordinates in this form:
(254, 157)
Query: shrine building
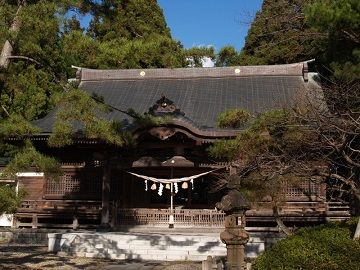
(129, 186)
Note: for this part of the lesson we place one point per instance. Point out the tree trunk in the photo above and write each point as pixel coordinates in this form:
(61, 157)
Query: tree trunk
(357, 231)
(7, 48)
(280, 223)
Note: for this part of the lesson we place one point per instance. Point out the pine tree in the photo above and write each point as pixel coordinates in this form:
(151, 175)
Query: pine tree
(39, 43)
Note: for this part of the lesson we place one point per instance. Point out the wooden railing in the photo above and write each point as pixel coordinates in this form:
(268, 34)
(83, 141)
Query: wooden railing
(72, 206)
(160, 217)
(71, 213)
(56, 213)
(337, 211)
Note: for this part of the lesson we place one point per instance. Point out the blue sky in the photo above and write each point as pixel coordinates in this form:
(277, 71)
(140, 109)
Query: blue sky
(209, 22)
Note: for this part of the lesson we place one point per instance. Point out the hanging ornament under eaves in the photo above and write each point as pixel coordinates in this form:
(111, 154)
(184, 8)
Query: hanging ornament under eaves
(161, 188)
(153, 186)
(172, 181)
(167, 186)
(176, 188)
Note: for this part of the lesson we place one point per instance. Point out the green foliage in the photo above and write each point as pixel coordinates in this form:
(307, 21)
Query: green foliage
(327, 247)
(292, 31)
(267, 153)
(340, 20)
(155, 51)
(26, 90)
(62, 134)
(275, 131)
(336, 14)
(228, 56)
(233, 118)
(77, 108)
(123, 34)
(196, 54)
(29, 158)
(16, 126)
(80, 50)
(26, 85)
(279, 34)
(147, 120)
(127, 19)
(9, 198)
(224, 149)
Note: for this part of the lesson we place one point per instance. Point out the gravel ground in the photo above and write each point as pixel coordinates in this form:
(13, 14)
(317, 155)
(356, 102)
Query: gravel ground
(37, 257)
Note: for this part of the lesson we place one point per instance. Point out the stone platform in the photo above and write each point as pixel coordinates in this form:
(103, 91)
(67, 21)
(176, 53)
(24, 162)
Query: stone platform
(164, 245)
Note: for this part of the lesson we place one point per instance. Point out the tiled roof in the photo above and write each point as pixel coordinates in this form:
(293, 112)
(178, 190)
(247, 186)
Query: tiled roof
(200, 93)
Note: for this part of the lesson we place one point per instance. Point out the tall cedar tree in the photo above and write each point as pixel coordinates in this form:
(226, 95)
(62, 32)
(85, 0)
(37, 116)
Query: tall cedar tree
(124, 34)
(278, 34)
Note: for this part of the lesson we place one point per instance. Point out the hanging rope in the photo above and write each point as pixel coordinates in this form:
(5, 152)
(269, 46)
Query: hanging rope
(173, 180)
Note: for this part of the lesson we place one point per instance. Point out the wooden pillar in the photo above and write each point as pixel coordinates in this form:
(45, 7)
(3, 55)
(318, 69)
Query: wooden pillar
(34, 221)
(113, 222)
(75, 224)
(106, 180)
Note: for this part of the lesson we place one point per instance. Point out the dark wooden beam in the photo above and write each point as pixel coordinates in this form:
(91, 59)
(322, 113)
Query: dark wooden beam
(164, 144)
(105, 198)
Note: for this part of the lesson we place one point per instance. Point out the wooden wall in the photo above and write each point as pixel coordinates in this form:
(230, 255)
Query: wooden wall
(33, 186)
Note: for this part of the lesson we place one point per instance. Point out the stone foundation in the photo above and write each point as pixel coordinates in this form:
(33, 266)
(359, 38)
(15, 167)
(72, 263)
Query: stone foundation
(166, 246)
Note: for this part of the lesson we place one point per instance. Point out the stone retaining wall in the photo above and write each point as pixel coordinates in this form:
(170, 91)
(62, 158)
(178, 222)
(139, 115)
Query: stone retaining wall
(26, 236)
(165, 246)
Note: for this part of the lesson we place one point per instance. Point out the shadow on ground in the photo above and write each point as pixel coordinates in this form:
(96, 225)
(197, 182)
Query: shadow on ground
(15, 257)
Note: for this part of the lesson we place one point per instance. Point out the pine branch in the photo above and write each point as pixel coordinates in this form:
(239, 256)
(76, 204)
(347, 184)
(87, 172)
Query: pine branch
(25, 58)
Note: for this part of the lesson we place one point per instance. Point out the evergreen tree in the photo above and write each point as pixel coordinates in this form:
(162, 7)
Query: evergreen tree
(291, 31)
(39, 43)
(195, 55)
(125, 34)
(279, 34)
(293, 145)
(339, 21)
(227, 56)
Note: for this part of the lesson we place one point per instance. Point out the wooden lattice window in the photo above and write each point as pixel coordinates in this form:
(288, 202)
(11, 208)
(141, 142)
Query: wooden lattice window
(55, 187)
(86, 184)
(305, 189)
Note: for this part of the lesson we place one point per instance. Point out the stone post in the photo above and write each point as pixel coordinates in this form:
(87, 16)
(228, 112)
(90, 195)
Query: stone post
(234, 236)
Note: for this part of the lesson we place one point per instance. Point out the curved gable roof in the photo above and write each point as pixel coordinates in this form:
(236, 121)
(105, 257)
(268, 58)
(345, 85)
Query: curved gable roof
(200, 93)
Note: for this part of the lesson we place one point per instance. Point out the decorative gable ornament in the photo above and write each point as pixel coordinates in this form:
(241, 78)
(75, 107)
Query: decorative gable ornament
(165, 106)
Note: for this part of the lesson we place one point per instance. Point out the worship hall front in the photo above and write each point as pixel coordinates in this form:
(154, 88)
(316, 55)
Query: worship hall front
(168, 177)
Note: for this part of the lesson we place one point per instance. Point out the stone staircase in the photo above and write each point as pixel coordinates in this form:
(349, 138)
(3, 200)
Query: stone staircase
(145, 246)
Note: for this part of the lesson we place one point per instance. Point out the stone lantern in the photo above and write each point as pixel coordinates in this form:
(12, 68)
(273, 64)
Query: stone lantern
(235, 237)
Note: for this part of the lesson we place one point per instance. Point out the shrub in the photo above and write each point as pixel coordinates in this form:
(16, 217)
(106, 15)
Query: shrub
(322, 247)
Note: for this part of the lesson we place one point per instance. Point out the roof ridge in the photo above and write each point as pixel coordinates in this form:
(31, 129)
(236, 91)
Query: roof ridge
(295, 69)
